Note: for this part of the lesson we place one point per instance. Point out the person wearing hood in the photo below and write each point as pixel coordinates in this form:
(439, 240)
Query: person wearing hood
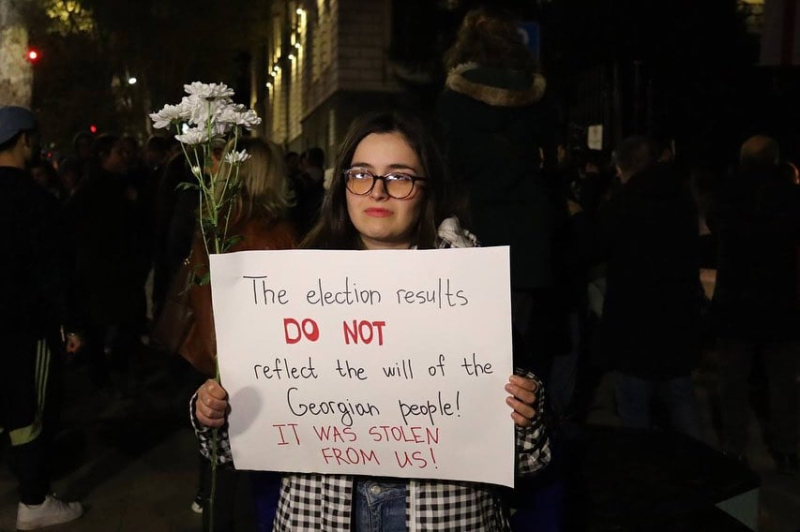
(499, 148)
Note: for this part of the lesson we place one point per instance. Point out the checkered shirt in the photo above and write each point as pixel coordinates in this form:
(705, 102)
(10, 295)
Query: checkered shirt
(317, 502)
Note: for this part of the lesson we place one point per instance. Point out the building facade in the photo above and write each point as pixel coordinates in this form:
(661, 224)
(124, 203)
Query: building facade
(324, 63)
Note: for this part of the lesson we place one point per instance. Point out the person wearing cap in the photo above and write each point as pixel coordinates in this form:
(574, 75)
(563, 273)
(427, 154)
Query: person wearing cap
(34, 303)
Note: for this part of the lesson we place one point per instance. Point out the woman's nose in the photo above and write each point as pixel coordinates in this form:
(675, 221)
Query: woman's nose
(379, 190)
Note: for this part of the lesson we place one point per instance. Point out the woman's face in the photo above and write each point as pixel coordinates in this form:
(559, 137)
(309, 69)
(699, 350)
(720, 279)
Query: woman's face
(384, 222)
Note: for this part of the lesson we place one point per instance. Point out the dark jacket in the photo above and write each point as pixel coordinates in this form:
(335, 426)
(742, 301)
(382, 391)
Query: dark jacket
(651, 314)
(494, 129)
(108, 236)
(34, 270)
(756, 220)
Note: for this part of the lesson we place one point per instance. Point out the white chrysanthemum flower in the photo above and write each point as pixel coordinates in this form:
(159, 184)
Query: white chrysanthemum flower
(193, 136)
(197, 171)
(220, 129)
(198, 110)
(237, 114)
(208, 91)
(228, 114)
(236, 157)
(168, 115)
(248, 119)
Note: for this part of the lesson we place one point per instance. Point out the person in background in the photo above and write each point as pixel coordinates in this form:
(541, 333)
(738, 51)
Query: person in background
(756, 303)
(111, 264)
(308, 190)
(82, 152)
(47, 177)
(498, 144)
(650, 326)
(34, 304)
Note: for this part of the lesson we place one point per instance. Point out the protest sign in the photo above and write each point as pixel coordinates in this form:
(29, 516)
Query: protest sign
(385, 363)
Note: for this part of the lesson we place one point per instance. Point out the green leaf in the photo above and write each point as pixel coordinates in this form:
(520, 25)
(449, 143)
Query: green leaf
(204, 280)
(186, 186)
(230, 242)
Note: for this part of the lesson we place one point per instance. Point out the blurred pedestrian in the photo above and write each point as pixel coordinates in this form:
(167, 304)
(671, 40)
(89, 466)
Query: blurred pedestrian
(498, 144)
(650, 327)
(756, 307)
(33, 306)
(111, 264)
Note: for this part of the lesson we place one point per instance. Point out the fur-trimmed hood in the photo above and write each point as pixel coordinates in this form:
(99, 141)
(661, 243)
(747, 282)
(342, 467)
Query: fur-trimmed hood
(496, 87)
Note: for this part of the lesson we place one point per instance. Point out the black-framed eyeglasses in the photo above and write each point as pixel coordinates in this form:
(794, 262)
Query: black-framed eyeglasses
(397, 184)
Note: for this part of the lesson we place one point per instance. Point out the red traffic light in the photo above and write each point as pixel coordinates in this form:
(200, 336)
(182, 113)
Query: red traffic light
(33, 55)
(93, 128)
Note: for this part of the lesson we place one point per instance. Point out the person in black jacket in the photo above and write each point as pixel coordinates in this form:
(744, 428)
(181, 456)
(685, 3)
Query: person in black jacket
(112, 260)
(755, 308)
(650, 326)
(498, 147)
(34, 304)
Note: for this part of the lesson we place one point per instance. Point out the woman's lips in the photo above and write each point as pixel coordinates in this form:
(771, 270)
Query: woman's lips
(377, 212)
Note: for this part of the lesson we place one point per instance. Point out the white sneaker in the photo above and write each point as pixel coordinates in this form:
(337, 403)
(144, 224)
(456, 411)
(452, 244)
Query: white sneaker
(197, 507)
(52, 511)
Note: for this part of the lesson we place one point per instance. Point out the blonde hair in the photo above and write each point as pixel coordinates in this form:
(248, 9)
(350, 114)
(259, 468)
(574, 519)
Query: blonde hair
(263, 184)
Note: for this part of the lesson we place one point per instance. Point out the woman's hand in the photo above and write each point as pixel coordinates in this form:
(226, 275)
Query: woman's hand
(523, 396)
(212, 404)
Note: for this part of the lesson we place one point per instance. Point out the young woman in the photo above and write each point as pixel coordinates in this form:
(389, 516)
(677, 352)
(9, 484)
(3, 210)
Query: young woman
(388, 193)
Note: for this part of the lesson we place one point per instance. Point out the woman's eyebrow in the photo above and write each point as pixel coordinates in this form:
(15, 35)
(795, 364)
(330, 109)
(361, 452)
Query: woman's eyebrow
(393, 166)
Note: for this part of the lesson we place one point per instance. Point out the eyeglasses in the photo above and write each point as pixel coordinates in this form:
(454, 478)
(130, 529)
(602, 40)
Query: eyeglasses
(398, 185)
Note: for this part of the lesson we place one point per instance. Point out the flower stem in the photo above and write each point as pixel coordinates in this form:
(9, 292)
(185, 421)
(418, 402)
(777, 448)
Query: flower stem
(214, 454)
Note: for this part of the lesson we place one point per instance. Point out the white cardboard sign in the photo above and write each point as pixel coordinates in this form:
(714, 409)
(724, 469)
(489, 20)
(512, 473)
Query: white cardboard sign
(386, 363)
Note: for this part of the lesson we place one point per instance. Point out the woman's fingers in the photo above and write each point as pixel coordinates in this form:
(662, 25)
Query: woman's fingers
(522, 388)
(214, 389)
(522, 409)
(212, 404)
(522, 397)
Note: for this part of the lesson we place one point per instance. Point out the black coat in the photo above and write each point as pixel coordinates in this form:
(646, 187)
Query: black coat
(757, 223)
(651, 315)
(494, 128)
(35, 267)
(108, 235)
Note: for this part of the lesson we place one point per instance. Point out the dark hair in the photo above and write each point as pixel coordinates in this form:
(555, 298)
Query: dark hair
(157, 143)
(489, 36)
(101, 147)
(316, 157)
(51, 173)
(81, 136)
(334, 230)
(635, 154)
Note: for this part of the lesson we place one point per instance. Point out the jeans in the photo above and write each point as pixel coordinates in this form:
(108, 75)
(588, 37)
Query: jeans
(634, 396)
(380, 506)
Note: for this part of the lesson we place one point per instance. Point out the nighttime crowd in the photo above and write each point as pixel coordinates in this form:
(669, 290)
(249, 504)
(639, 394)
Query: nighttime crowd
(628, 260)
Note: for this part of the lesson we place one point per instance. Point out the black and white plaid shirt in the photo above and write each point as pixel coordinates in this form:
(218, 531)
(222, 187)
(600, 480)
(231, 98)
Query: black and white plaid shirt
(317, 502)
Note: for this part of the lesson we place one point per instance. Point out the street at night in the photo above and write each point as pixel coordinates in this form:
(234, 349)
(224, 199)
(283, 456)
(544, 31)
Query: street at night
(268, 263)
